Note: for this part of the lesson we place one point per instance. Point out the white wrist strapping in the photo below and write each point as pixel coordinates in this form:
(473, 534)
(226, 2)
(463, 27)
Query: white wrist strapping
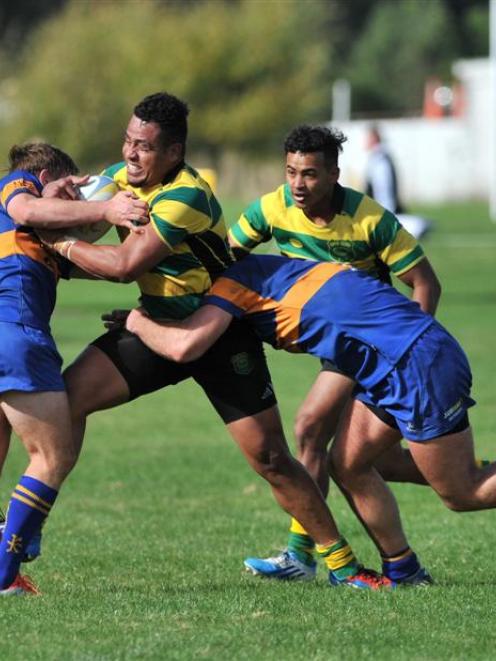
(64, 246)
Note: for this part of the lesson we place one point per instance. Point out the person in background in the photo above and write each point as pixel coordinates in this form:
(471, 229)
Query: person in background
(381, 183)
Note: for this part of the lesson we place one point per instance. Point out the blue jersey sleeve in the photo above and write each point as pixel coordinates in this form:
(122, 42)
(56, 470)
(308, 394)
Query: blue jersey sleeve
(18, 182)
(224, 304)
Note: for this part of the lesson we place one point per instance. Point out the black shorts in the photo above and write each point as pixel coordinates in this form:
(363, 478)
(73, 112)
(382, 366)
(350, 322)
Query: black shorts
(329, 366)
(233, 372)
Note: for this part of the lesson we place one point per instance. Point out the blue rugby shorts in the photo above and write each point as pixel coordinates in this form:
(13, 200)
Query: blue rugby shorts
(428, 391)
(29, 360)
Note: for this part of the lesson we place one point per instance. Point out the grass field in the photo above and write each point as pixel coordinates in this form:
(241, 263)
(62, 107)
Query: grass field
(143, 553)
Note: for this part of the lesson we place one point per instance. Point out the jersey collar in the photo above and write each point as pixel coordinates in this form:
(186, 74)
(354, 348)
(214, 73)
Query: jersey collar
(172, 174)
(337, 200)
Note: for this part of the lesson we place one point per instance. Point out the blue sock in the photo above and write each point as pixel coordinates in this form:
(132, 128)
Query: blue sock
(29, 506)
(400, 566)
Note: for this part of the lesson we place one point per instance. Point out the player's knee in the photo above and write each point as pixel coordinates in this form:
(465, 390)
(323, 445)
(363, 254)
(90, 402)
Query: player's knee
(456, 505)
(459, 502)
(462, 495)
(54, 462)
(271, 462)
(344, 474)
(65, 462)
(311, 434)
(78, 401)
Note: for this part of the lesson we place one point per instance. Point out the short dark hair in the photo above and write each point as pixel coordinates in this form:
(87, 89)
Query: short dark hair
(169, 112)
(309, 139)
(37, 156)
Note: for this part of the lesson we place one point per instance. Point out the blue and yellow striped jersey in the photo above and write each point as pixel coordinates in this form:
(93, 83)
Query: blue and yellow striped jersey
(28, 273)
(332, 311)
(187, 217)
(362, 233)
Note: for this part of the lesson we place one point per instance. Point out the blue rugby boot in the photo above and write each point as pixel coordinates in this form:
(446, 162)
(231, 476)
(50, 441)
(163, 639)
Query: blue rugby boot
(286, 566)
(405, 569)
(420, 579)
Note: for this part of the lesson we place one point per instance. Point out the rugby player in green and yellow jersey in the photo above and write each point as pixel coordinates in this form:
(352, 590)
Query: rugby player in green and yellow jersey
(175, 260)
(313, 217)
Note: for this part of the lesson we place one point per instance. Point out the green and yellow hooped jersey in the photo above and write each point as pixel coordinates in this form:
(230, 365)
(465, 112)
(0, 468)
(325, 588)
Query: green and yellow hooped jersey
(187, 217)
(362, 233)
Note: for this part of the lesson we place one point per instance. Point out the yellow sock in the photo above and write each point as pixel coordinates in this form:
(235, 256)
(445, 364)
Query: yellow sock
(300, 543)
(480, 463)
(339, 558)
(297, 528)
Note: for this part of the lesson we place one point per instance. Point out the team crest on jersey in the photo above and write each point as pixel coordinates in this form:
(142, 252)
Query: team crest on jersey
(343, 251)
(242, 363)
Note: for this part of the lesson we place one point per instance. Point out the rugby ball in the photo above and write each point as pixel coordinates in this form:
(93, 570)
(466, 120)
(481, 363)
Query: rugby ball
(98, 189)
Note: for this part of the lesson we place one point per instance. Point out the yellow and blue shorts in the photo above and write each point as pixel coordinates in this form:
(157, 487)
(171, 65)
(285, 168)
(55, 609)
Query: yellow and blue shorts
(428, 391)
(29, 360)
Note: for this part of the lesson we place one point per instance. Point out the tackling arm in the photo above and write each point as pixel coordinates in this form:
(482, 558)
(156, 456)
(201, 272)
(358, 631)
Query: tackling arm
(426, 288)
(181, 341)
(120, 263)
(54, 213)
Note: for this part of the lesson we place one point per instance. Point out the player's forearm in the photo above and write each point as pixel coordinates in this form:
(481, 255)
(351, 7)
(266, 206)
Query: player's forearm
(426, 288)
(53, 213)
(171, 339)
(184, 340)
(104, 262)
(427, 296)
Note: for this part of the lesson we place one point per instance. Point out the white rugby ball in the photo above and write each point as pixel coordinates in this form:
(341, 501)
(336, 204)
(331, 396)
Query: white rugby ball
(98, 189)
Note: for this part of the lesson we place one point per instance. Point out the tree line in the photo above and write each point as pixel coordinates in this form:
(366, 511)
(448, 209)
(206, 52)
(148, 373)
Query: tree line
(70, 71)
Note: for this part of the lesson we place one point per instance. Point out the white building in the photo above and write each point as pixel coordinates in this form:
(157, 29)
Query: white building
(440, 159)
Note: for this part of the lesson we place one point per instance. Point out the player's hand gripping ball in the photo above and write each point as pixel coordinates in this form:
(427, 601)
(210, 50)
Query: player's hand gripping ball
(98, 189)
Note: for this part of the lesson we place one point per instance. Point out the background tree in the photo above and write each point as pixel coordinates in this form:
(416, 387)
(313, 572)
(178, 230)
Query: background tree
(250, 69)
(388, 66)
(247, 74)
(394, 46)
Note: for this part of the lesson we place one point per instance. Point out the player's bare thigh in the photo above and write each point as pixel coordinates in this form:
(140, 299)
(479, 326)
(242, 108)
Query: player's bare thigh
(361, 438)
(448, 464)
(260, 437)
(94, 383)
(318, 416)
(42, 422)
(5, 433)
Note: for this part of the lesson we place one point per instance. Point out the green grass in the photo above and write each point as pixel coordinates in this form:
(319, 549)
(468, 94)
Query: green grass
(143, 553)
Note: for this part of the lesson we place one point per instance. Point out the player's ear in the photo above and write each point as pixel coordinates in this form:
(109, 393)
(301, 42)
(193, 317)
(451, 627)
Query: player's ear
(45, 177)
(176, 151)
(334, 173)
